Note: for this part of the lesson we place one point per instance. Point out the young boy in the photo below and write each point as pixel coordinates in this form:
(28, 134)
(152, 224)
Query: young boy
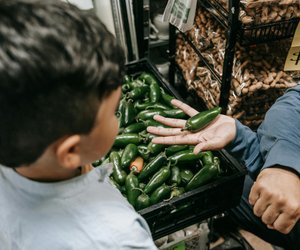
(60, 76)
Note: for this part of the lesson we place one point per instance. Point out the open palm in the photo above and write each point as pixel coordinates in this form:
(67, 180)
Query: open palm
(213, 137)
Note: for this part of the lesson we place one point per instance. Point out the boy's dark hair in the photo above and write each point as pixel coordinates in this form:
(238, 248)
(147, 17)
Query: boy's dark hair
(56, 63)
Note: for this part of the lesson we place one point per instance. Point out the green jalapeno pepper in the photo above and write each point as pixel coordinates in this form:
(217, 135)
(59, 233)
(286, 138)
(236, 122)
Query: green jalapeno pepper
(97, 163)
(123, 191)
(132, 188)
(142, 201)
(154, 148)
(136, 83)
(137, 93)
(126, 79)
(175, 113)
(203, 176)
(129, 112)
(123, 139)
(186, 175)
(143, 152)
(134, 128)
(207, 157)
(153, 166)
(160, 193)
(154, 123)
(120, 152)
(141, 105)
(202, 119)
(125, 88)
(175, 175)
(167, 98)
(223, 169)
(156, 106)
(184, 156)
(142, 185)
(120, 131)
(147, 78)
(146, 99)
(155, 93)
(216, 160)
(148, 114)
(129, 154)
(147, 137)
(121, 105)
(174, 149)
(157, 179)
(118, 173)
(104, 161)
(120, 112)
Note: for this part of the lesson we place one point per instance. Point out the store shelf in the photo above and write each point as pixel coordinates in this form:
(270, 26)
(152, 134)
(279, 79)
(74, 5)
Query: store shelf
(268, 32)
(235, 35)
(217, 10)
(203, 59)
(254, 33)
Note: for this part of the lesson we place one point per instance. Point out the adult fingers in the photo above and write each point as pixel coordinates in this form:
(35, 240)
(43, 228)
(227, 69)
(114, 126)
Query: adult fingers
(175, 123)
(205, 144)
(284, 223)
(164, 131)
(269, 211)
(254, 194)
(260, 206)
(179, 139)
(270, 215)
(184, 107)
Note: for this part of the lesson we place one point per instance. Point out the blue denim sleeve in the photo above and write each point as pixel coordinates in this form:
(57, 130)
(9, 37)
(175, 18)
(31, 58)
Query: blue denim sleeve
(245, 148)
(277, 141)
(280, 132)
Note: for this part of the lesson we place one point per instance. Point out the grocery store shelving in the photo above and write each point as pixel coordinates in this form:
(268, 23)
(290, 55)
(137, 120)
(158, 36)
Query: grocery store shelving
(236, 31)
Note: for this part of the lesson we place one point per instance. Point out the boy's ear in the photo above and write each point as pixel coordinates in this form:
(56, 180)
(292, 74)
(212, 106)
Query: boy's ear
(68, 153)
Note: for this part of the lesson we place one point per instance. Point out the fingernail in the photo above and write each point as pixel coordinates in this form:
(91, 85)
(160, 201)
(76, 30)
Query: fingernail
(196, 151)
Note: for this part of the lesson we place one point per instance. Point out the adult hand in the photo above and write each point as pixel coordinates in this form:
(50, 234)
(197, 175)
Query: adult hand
(275, 197)
(213, 137)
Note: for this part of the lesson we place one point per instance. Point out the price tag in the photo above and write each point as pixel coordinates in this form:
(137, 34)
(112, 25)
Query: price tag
(180, 13)
(296, 39)
(293, 59)
(292, 62)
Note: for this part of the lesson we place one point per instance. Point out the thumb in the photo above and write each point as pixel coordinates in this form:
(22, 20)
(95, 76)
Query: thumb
(207, 145)
(254, 194)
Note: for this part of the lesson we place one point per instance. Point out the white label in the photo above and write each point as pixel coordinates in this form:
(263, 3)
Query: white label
(292, 62)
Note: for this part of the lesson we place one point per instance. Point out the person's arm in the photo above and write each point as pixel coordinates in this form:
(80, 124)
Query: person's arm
(245, 148)
(280, 132)
(275, 195)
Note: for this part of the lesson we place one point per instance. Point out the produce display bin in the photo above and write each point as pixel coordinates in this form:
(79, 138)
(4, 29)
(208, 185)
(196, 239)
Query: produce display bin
(257, 75)
(268, 32)
(208, 200)
(263, 25)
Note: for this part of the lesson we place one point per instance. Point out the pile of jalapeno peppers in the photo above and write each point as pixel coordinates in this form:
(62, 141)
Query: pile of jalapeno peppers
(148, 173)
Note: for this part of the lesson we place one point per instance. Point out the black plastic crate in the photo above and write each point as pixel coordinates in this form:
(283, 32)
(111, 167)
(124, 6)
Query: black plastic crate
(137, 67)
(201, 203)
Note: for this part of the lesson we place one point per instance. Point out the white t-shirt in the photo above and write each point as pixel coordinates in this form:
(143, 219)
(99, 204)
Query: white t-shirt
(85, 212)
